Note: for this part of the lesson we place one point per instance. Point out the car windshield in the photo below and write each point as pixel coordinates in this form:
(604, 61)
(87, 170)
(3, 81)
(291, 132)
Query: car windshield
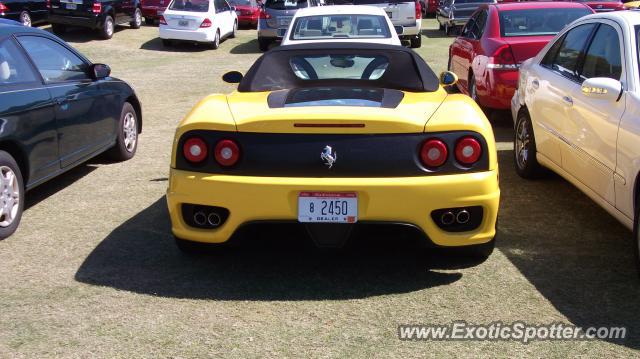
(340, 26)
(190, 5)
(340, 65)
(537, 22)
(286, 4)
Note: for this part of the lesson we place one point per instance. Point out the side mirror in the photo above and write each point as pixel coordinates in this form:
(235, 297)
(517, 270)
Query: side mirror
(448, 78)
(232, 77)
(99, 71)
(602, 88)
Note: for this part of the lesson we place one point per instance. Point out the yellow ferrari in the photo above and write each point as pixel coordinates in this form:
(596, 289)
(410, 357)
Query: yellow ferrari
(632, 5)
(331, 137)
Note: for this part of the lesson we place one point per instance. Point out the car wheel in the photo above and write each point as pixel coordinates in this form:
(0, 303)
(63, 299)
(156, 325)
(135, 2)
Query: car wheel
(127, 140)
(11, 195)
(235, 30)
(107, 28)
(263, 44)
(216, 41)
(137, 19)
(416, 42)
(58, 29)
(25, 18)
(149, 21)
(524, 148)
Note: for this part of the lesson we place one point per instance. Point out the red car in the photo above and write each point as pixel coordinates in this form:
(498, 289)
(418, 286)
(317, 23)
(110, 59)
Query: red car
(497, 38)
(152, 9)
(603, 5)
(429, 7)
(248, 12)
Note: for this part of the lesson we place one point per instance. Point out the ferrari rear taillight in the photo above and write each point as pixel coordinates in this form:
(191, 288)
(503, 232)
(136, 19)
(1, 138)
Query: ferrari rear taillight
(195, 149)
(206, 23)
(96, 8)
(433, 153)
(264, 15)
(3, 8)
(227, 153)
(162, 20)
(468, 151)
(418, 10)
(503, 59)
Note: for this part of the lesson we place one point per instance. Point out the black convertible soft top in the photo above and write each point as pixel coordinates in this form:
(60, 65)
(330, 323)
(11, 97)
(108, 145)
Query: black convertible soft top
(406, 70)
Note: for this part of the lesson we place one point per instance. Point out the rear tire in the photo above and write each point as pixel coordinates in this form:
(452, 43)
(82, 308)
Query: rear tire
(25, 18)
(416, 42)
(216, 41)
(263, 44)
(137, 19)
(58, 29)
(524, 148)
(108, 27)
(235, 30)
(10, 192)
(127, 141)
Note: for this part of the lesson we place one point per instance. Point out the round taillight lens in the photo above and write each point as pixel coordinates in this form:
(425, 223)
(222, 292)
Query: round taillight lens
(227, 153)
(433, 153)
(195, 149)
(468, 151)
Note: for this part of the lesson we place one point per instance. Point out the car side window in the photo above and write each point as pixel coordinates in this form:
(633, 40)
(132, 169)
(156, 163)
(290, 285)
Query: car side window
(226, 5)
(550, 56)
(481, 21)
(571, 51)
(603, 57)
(55, 62)
(467, 31)
(218, 6)
(14, 67)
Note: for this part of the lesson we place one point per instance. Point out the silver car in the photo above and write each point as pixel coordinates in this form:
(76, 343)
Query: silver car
(275, 18)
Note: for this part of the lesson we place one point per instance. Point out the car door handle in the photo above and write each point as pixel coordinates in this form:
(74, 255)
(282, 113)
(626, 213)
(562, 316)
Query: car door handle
(567, 100)
(535, 83)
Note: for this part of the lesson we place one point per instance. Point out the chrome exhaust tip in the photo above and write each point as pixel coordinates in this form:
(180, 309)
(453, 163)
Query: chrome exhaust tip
(214, 219)
(447, 218)
(463, 217)
(200, 218)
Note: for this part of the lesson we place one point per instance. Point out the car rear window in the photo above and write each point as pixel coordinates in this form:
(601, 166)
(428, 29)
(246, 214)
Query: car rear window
(537, 22)
(286, 4)
(190, 5)
(334, 66)
(340, 27)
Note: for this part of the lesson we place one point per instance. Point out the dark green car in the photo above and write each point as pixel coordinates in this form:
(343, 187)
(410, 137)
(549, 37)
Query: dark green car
(57, 110)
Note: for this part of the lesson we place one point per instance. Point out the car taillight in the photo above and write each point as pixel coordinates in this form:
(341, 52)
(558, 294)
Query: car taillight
(206, 23)
(503, 59)
(264, 15)
(97, 8)
(3, 8)
(195, 149)
(162, 20)
(48, 4)
(468, 151)
(433, 153)
(418, 10)
(227, 153)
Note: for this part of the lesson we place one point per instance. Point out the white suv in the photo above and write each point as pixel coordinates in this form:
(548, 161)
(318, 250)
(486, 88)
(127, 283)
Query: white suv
(406, 17)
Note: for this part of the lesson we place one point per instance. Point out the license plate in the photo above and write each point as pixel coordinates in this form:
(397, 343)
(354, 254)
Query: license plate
(71, 6)
(284, 21)
(183, 23)
(327, 207)
(390, 15)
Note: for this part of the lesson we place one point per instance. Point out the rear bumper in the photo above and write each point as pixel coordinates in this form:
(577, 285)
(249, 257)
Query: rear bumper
(409, 200)
(411, 30)
(265, 31)
(248, 19)
(199, 35)
(498, 89)
(93, 22)
(152, 12)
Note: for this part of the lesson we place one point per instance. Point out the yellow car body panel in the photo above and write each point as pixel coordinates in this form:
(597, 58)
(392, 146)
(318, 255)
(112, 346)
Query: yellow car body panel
(632, 4)
(396, 199)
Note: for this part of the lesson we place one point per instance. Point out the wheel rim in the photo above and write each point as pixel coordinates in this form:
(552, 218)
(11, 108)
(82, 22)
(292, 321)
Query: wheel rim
(138, 17)
(9, 196)
(217, 41)
(130, 132)
(523, 139)
(25, 19)
(109, 27)
(235, 28)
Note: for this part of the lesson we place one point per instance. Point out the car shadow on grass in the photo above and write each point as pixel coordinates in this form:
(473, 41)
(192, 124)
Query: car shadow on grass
(140, 256)
(249, 47)
(434, 34)
(79, 35)
(56, 184)
(155, 44)
(575, 254)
